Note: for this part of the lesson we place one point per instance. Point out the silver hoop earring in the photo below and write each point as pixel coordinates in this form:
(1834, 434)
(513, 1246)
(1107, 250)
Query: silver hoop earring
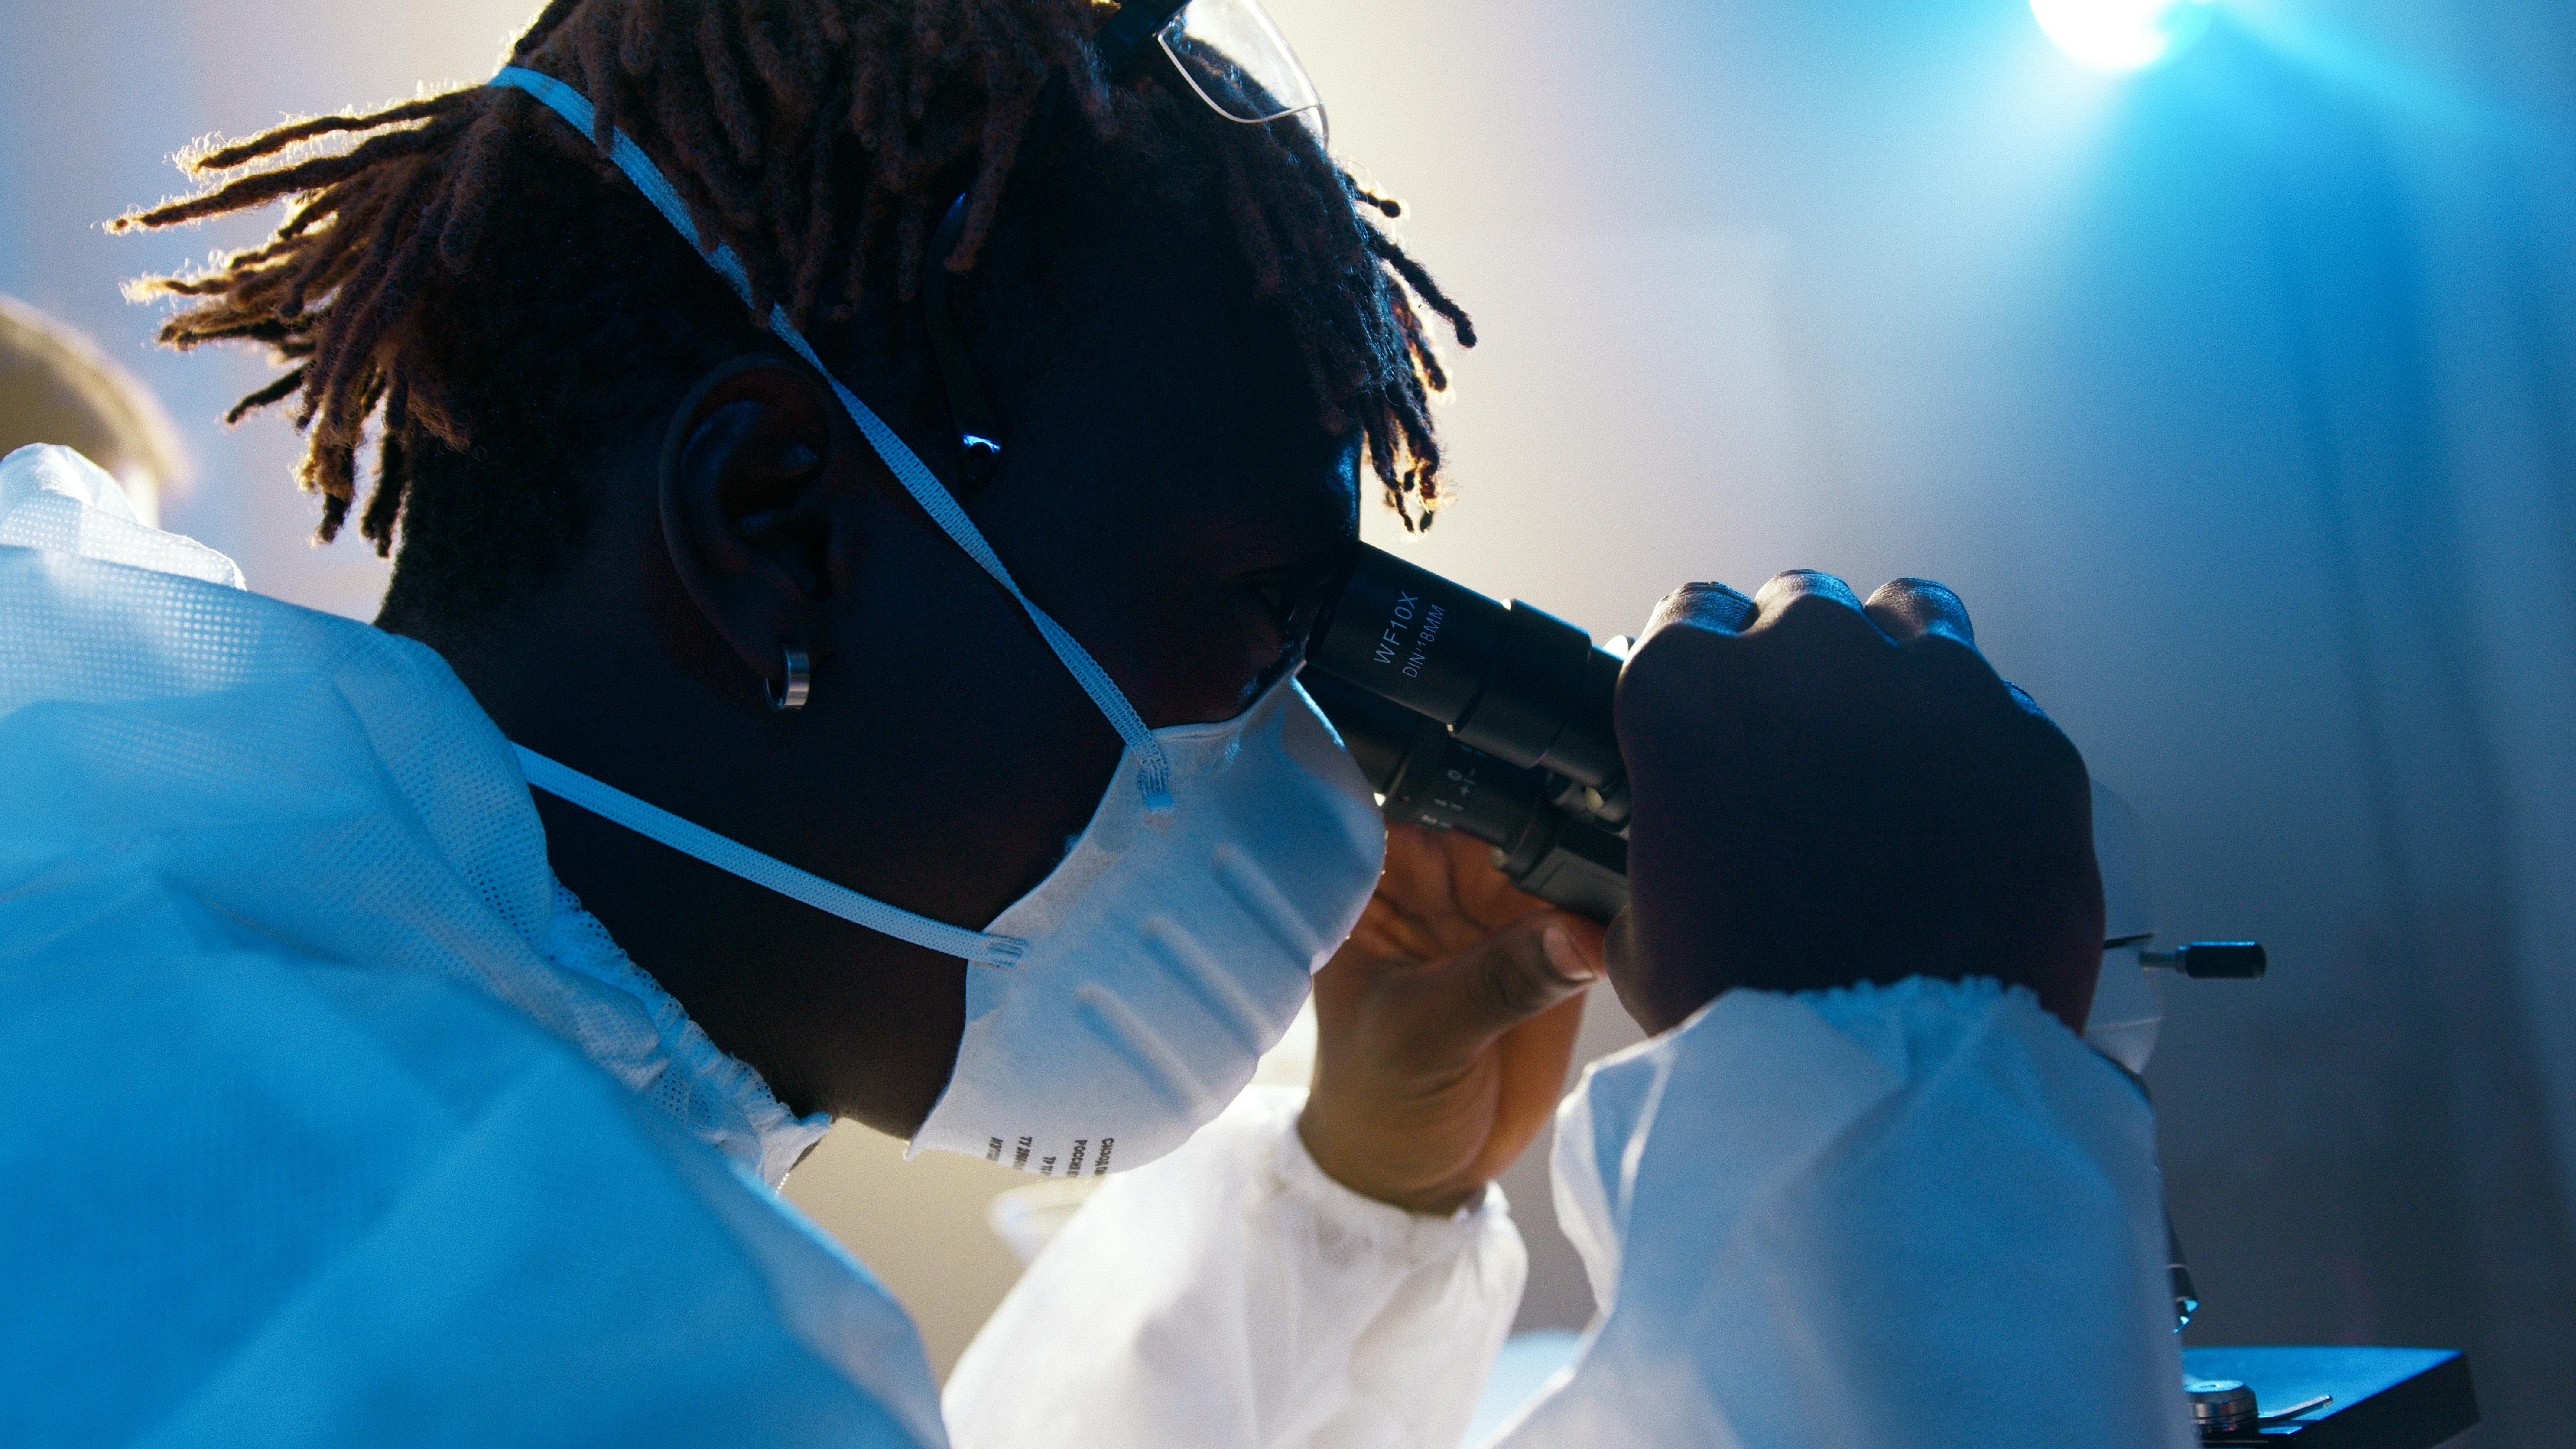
(800, 682)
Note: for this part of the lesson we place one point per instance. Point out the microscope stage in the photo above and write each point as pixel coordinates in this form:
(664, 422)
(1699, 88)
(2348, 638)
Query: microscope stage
(2383, 1398)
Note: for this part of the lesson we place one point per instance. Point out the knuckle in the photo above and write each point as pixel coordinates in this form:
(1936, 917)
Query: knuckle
(2058, 752)
(1694, 611)
(1955, 663)
(1706, 604)
(1811, 603)
(1790, 585)
(1911, 587)
(1819, 615)
(1923, 606)
(1668, 656)
(1513, 983)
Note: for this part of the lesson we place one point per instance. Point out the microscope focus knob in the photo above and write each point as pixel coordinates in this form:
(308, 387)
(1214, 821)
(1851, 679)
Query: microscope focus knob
(2213, 960)
(2221, 1406)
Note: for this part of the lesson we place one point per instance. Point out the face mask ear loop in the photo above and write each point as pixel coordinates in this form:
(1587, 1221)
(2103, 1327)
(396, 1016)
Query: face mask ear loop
(655, 823)
(1153, 768)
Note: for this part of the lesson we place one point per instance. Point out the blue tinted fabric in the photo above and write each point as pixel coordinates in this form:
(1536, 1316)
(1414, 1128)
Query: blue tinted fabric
(334, 1119)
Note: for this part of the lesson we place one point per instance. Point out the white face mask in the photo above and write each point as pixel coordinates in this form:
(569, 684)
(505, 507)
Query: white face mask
(1120, 1005)
(1168, 951)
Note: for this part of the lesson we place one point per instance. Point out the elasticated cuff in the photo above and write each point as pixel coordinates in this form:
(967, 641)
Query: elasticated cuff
(1412, 1238)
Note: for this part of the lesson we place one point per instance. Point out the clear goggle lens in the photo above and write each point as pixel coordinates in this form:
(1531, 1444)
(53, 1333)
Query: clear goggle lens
(1232, 54)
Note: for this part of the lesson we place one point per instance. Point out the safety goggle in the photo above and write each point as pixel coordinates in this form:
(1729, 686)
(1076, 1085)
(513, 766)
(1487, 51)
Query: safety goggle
(1230, 52)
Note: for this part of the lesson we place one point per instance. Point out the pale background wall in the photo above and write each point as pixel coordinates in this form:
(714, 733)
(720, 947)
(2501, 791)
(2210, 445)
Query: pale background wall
(2235, 397)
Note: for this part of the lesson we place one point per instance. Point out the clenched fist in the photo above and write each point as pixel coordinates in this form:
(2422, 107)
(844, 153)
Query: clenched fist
(1829, 792)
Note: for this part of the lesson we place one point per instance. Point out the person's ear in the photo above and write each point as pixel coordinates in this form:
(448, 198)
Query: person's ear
(753, 474)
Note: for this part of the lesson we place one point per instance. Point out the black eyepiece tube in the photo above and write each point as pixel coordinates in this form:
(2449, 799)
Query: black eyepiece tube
(1428, 776)
(1489, 719)
(1511, 680)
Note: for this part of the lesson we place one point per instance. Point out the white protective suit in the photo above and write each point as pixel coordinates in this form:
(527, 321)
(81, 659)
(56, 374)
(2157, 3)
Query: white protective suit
(334, 1119)
(1920, 1215)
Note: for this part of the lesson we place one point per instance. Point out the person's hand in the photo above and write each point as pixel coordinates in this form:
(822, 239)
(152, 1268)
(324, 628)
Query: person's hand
(1827, 793)
(1444, 1026)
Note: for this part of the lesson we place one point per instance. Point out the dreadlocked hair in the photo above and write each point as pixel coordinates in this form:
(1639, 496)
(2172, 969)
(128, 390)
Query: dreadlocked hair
(464, 278)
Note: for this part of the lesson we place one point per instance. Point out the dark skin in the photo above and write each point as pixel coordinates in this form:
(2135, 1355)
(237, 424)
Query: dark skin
(1444, 1026)
(1169, 497)
(1829, 791)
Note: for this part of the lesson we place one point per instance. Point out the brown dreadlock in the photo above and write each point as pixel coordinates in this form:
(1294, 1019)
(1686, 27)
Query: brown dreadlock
(472, 276)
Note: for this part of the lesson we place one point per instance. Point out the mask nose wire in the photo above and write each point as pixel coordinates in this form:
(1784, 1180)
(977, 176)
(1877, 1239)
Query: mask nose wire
(1154, 770)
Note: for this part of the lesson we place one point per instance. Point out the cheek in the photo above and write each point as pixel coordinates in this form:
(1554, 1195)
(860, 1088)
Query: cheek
(1623, 953)
(1197, 655)
(1181, 642)
(681, 628)
(954, 732)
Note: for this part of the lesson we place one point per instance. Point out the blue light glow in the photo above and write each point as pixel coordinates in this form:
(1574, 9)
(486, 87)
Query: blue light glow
(2122, 34)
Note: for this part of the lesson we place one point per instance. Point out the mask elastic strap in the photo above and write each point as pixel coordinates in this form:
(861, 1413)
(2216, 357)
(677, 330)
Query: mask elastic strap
(655, 823)
(1154, 771)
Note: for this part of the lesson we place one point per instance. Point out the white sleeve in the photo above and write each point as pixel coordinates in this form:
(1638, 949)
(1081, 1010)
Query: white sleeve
(1920, 1216)
(1232, 1296)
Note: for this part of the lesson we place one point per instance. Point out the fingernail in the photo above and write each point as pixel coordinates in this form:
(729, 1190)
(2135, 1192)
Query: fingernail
(1561, 957)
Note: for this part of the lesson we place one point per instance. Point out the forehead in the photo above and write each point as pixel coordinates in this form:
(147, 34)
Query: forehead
(1161, 429)
(1176, 487)
(1176, 421)
(1160, 536)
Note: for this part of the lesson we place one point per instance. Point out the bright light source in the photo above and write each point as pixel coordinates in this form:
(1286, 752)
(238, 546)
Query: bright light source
(2122, 34)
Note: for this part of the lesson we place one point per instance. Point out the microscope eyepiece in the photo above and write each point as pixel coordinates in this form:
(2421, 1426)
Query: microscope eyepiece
(1492, 720)
(1511, 680)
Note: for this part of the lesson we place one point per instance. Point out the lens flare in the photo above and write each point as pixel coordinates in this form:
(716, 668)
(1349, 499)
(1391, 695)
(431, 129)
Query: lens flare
(2122, 34)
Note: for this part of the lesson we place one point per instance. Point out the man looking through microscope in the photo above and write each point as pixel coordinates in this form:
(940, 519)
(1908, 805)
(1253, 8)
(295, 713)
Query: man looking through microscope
(963, 792)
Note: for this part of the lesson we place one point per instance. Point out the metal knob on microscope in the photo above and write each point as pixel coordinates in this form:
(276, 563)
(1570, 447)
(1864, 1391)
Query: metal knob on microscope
(2222, 1406)
(2213, 960)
